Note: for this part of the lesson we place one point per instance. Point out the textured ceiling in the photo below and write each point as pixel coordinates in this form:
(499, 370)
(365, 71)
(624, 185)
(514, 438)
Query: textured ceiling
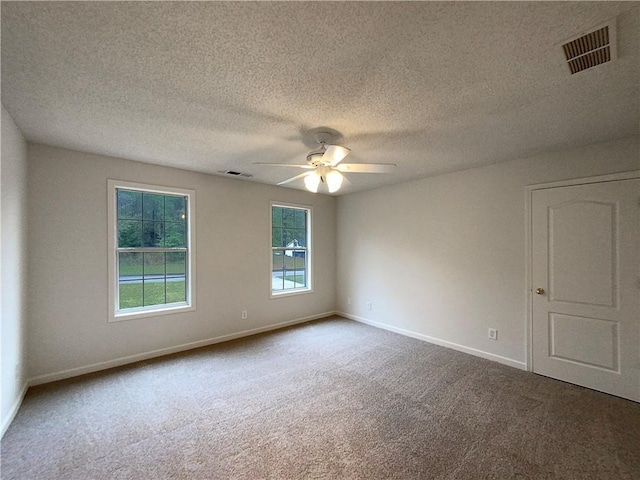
(432, 87)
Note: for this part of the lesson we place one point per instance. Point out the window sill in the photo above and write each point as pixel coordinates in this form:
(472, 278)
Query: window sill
(154, 312)
(290, 293)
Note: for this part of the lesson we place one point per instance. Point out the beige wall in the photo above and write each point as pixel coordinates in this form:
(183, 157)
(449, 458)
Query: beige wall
(13, 258)
(68, 327)
(444, 257)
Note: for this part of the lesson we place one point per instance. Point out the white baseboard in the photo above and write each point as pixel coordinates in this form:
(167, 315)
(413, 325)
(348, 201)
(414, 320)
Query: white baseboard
(443, 343)
(96, 367)
(14, 409)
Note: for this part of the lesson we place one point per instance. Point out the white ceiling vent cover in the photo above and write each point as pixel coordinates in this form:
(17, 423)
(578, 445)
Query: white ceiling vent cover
(593, 48)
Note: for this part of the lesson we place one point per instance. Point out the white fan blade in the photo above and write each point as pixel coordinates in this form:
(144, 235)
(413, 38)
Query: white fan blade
(284, 165)
(366, 167)
(295, 178)
(334, 154)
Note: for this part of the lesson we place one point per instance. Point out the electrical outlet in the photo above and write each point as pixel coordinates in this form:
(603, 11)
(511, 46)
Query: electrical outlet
(348, 300)
(244, 314)
(369, 306)
(493, 334)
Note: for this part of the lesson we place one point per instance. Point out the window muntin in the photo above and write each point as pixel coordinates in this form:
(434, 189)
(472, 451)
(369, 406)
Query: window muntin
(290, 249)
(151, 250)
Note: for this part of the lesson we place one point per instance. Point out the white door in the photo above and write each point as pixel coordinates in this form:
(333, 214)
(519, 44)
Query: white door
(586, 285)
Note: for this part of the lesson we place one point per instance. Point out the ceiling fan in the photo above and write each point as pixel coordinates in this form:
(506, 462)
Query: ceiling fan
(324, 165)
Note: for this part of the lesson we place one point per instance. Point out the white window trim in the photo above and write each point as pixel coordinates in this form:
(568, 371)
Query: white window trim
(309, 257)
(152, 311)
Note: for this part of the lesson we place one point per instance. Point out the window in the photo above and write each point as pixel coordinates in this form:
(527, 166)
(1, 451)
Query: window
(290, 249)
(150, 251)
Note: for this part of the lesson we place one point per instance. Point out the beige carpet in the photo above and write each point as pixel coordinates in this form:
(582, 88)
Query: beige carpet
(331, 399)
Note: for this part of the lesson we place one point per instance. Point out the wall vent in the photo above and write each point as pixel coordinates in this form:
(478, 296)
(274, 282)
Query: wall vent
(593, 48)
(235, 174)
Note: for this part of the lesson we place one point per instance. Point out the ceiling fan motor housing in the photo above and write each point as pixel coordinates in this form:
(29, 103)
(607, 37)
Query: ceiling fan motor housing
(315, 157)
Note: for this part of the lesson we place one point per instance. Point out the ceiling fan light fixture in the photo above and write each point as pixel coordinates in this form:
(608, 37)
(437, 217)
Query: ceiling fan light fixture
(334, 180)
(312, 182)
(324, 165)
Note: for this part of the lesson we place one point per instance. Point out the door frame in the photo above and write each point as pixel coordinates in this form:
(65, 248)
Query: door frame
(529, 189)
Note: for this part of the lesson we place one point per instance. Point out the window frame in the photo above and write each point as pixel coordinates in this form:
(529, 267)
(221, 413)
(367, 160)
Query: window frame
(308, 257)
(117, 315)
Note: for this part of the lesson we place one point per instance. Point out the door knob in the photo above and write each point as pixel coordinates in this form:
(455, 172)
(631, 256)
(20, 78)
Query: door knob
(540, 291)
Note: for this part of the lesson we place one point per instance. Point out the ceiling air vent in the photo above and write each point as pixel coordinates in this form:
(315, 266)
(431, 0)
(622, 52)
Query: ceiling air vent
(596, 47)
(235, 174)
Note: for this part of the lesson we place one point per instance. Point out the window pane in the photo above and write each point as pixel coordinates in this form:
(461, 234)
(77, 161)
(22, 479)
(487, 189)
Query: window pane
(288, 220)
(154, 278)
(176, 291)
(175, 234)
(277, 274)
(175, 208)
(152, 207)
(176, 263)
(129, 205)
(152, 234)
(276, 217)
(276, 237)
(154, 292)
(299, 273)
(153, 265)
(299, 238)
(176, 277)
(287, 237)
(129, 233)
(130, 280)
(289, 268)
(300, 218)
(130, 266)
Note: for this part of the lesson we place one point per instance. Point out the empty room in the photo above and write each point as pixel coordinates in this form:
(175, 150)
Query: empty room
(337, 240)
